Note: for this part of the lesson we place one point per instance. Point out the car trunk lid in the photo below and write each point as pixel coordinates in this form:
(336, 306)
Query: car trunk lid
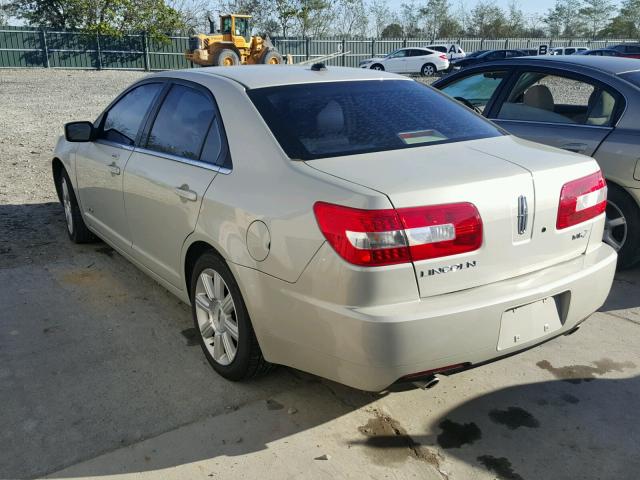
(493, 174)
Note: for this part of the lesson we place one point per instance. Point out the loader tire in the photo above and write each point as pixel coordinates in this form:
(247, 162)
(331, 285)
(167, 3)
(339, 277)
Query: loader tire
(272, 57)
(226, 58)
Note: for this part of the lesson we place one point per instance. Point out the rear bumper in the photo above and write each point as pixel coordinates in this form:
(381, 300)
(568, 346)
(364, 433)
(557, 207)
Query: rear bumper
(372, 347)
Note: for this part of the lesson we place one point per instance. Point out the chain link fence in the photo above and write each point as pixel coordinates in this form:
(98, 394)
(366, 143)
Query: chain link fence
(22, 47)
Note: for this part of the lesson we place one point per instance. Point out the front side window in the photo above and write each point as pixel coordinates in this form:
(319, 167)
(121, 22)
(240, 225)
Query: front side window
(476, 89)
(122, 122)
(540, 97)
(182, 123)
(321, 120)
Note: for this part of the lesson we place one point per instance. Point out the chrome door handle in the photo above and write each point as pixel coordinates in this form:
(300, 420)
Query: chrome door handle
(114, 169)
(575, 147)
(184, 192)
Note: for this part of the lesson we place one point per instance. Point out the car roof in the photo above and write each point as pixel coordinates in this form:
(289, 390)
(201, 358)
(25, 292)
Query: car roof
(260, 76)
(614, 65)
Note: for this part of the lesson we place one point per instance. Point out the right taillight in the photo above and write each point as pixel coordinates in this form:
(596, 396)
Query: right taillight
(582, 200)
(393, 236)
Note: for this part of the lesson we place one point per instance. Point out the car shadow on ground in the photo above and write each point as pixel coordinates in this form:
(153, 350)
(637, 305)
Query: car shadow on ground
(95, 356)
(578, 426)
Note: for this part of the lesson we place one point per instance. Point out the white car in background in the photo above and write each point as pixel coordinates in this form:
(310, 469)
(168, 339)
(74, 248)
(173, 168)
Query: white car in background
(410, 60)
(568, 50)
(452, 50)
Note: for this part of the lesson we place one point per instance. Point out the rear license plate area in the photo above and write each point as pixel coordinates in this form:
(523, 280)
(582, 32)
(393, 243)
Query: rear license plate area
(534, 320)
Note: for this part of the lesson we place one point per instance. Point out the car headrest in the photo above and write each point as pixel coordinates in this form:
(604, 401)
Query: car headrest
(539, 96)
(330, 119)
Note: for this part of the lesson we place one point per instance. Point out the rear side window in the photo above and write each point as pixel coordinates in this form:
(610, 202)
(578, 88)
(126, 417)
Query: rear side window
(342, 118)
(182, 123)
(123, 120)
(539, 97)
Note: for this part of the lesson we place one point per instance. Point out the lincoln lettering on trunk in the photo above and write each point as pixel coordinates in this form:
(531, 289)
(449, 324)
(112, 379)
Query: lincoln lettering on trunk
(449, 268)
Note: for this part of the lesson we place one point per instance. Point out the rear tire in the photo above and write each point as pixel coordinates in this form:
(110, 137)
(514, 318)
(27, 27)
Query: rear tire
(272, 57)
(222, 321)
(226, 58)
(76, 228)
(622, 228)
(428, 70)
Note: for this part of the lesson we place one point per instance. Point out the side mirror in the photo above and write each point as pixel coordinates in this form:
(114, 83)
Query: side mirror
(78, 131)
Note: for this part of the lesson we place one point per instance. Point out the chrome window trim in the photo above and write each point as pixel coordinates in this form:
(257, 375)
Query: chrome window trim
(188, 161)
(114, 144)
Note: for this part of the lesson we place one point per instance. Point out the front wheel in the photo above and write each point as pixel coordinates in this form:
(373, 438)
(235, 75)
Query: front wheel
(377, 66)
(622, 227)
(428, 70)
(76, 228)
(221, 318)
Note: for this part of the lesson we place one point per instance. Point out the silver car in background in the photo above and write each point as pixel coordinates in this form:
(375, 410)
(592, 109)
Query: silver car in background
(350, 223)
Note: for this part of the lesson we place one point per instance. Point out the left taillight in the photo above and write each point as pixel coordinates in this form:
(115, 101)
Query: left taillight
(582, 200)
(393, 236)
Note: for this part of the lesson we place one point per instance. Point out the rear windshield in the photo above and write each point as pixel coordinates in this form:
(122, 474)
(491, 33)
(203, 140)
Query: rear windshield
(344, 118)
(633, 77)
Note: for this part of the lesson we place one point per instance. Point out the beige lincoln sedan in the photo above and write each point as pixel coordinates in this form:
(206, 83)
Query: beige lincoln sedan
(350, 223)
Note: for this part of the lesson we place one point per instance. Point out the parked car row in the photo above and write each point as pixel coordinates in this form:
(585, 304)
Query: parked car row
(437, 58)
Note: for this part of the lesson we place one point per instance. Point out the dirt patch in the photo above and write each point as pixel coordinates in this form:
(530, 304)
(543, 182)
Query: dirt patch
(514, 417)
(585, 373)
(392, 444)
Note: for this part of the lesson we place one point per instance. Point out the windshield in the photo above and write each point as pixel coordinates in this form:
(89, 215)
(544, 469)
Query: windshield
(321, 120)
(633, 77)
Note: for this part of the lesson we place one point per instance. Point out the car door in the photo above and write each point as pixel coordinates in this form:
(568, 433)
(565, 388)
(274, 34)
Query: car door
(100, 163)
(396, 62)
(415, 60)
(557, 108)
(180, 153)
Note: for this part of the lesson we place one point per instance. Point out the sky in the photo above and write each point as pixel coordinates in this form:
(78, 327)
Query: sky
(527, 6)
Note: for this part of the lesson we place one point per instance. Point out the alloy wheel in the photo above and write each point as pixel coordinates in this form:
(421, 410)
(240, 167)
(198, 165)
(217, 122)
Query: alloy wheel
(66, 202)
(216, 314)
(615, 227)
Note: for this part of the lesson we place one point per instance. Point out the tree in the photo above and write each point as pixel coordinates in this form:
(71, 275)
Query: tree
(488, 20)
(112, 17)
(596, 14)
(515, 20)
(313, 17)
(379, 14)
(350, 18)
(564, 18)
(285, 12)
(410, 19)
(435, 13)
(627, 22)
(393, 30)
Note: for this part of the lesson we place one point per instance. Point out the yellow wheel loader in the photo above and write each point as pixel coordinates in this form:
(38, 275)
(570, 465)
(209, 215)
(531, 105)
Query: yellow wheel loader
(231, 45)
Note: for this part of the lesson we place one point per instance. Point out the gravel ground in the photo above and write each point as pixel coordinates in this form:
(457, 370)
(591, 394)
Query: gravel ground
(34, 105)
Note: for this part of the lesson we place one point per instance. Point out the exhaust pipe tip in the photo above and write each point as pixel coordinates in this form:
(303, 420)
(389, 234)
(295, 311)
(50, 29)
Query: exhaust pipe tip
(429, 383)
